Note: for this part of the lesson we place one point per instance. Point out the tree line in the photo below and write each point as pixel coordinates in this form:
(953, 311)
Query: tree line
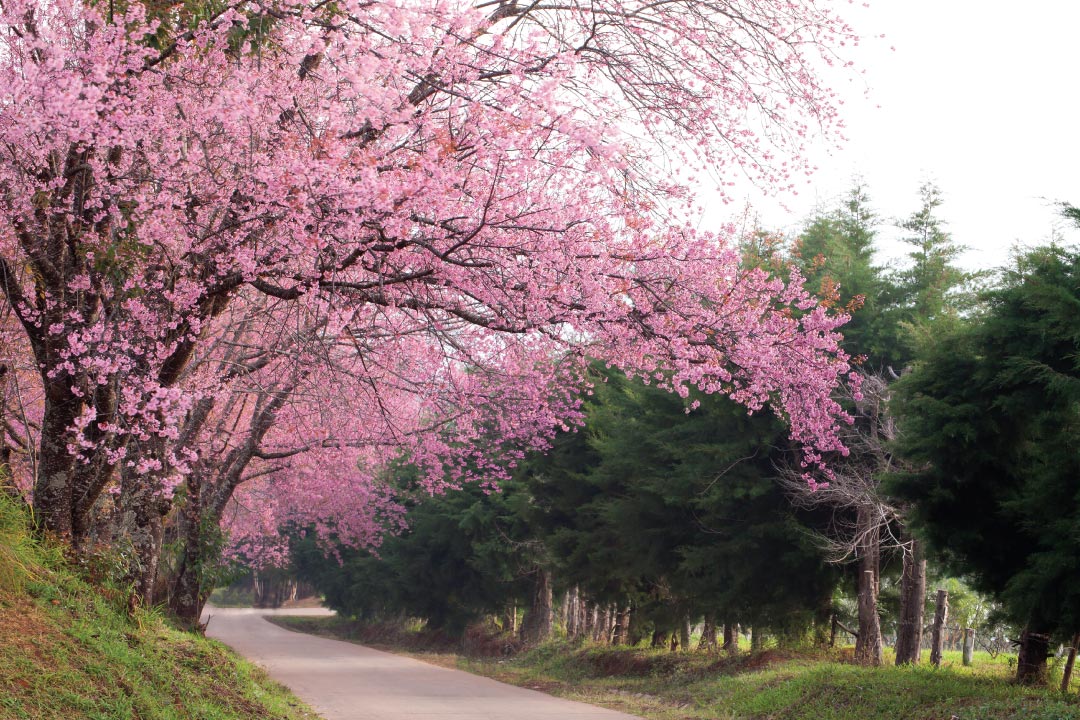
(252, 251)
(663, 513)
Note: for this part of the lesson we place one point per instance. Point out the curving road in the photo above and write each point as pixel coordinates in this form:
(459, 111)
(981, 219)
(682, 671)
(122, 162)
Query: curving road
(344, 681)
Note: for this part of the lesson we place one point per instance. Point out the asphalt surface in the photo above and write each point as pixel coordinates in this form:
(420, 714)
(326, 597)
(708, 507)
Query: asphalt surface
(345, 681)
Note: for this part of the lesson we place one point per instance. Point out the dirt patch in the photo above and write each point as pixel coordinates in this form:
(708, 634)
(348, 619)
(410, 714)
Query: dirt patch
(628, 663)
(24, 629)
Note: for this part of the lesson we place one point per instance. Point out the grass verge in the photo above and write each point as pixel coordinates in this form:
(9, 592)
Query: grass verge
(770, 685)
(70, 650)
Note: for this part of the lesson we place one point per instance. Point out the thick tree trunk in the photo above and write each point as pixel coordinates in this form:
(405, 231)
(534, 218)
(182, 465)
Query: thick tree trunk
(731, 638)
(757, 638)
(941, 616)
(188, 590)
(622, 630)
(1031, 661)
(54, 501)
(868, 644)
(573, 616)
(708, 635)
(684, 634)
(659, 638)
(912, 604)
(142, 523)
(1066, 675)
(607, 619)
(537, 624)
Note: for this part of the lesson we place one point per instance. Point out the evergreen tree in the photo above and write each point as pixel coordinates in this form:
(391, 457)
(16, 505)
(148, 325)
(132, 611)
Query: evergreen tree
(932, 292)
(464, 555)
(992, 413)
(835, 251)
(680, 513)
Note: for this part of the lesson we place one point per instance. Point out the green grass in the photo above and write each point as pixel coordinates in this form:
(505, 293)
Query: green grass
(771, 685)
(70, 650)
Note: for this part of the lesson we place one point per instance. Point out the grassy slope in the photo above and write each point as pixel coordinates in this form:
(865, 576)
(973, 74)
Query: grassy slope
(70, 650)
(773, 685)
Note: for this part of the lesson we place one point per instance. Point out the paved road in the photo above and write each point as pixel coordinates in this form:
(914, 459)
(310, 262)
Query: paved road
(344, 681)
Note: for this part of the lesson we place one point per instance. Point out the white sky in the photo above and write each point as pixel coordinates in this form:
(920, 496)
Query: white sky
(979, 96)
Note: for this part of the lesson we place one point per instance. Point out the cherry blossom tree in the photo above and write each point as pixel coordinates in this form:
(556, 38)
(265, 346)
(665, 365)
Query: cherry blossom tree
(459, 192)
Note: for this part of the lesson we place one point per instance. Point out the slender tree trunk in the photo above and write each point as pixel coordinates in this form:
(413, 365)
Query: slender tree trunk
(868, 645)
(1031, 661)
(7, 485)
(822, 622)
(912, 604)
(510, 623)
(684, 633)
(941, 616)
(1066, 675)
(572, 614)
(969, 646)
(674, 646)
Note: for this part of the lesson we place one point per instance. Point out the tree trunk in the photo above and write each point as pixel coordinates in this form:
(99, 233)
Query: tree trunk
(684, 633)
(572, 614)
(969, 646)
(912, 604)
(731, 639)
(143, 511)
(510, 624)
(1066, 675)
(674, 646)
(708, 635)
(536, 627)
(54, 486)
(604, 626)
(757, 638)
(187, 591)
(941, 616)
(658, 639)
(868, 647)
(273, 589)
(1031, 661)
(623, 632)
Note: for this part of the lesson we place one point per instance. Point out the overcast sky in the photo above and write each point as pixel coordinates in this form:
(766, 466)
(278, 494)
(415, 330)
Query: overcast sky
(979, 96)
